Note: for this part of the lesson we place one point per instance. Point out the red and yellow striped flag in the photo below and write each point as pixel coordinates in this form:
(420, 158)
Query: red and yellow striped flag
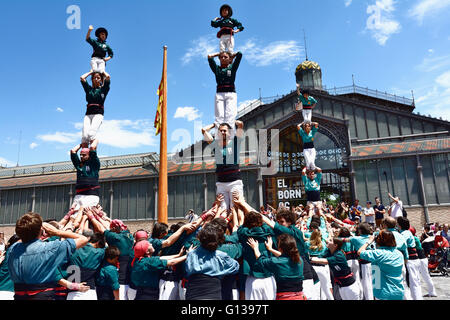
(162, 97)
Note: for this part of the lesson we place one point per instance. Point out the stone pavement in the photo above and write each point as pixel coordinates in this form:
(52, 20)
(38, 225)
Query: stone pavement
(442, 285)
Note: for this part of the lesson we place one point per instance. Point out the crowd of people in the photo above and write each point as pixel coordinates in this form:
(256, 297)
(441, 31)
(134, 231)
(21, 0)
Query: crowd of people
(229, 252)
(224, 254)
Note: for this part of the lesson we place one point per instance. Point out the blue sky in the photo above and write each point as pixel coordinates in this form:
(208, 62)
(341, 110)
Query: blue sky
(389, 45)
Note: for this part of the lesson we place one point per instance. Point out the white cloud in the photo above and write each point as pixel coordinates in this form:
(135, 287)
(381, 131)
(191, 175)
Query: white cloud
(276, 52)
(348, 2)
(33, 145)
(425, 8)
(115, 133)
(201, 47)
(60, 137)
(6, 163)
(434, 63)
(380, 22)
(257, 54)
(60, 109)
(435, 99)
(189, 113)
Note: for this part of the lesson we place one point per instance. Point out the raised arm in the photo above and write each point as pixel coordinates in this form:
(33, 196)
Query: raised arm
(267, 221)
(239, 129)
(368, 243)
(88, 35)
(84, 76)
(174, 237)
(205, 132)
(80, 240)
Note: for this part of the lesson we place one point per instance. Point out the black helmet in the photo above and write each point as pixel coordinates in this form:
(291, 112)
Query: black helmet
(230, 11)
(100, 30)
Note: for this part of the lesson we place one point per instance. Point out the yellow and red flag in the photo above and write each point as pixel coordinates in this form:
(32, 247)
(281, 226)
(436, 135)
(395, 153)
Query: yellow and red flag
(161, 94)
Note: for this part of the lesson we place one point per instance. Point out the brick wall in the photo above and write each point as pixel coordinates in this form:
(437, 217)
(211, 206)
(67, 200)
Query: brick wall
(439, 214)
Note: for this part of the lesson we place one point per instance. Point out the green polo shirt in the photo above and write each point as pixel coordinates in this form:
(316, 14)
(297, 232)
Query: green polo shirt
(227, 22)
(100, 48)
(108, 276)
(225, 77)
(337, 263)
(6, 284)
(96, 96)
(308, 137)
(296, 233)
(234, 250)
(145, 272)
(123, 241)
(283, 268)
(249, 266)
(387, 263)
(88, 257)
(307, 103)
(316, 253)
(312, 185)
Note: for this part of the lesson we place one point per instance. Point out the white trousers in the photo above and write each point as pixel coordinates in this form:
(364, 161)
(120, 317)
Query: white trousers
(225, 108)
(414, 279)
(227, 189)
(366, 281)
(310, 158)
(226, 43)
(131, 293)
(354, 265)
(311, 290)
(181, 292)
(91, 124)
(325, 282)
(123, 289)
(406, 293)
(425, 274)
(6, 295)
(260, 288)
(78, 295)
(98, 65)
(307, 114)
(85, 201)
(168, 290)
(352, 292)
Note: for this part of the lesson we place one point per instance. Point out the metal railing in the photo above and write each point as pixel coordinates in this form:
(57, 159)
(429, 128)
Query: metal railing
(67, 166)
(371, 93)
(258, 102)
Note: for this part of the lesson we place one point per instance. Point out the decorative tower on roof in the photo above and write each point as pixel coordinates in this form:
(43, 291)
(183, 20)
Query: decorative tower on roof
(309, 75)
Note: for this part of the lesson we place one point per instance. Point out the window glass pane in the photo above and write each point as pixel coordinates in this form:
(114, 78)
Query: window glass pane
(386, 185)
(382, 124)
(348, 111)
(360, 123)
(430, 188)
(337, 106)
(132, 200)
(326, 107)
(393, 125)
(417, 126)
(360, 180)
(406, 126)
(429, 127)
(440, 170)
(412, 180)
(371, 124)
(399, 179)
(372, 180)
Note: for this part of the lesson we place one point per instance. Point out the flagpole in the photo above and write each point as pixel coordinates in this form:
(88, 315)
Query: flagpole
(162, 187)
